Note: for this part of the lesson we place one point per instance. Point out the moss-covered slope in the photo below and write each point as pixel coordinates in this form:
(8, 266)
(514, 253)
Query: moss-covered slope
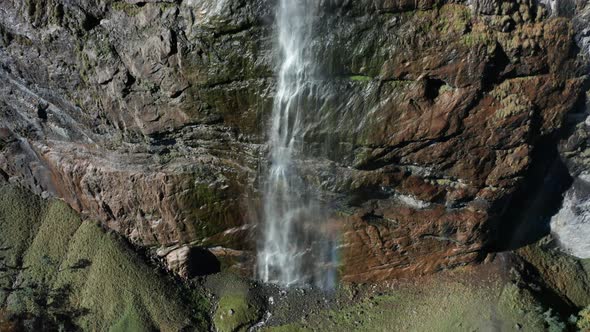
(456, 301)
(57, 271)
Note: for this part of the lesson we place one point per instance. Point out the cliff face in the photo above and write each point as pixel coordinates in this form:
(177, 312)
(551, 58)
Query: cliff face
(152, 116)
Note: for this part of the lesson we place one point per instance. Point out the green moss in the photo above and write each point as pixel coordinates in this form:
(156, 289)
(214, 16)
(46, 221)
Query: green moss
(207, 209)
(50, 245)
(517, 304)
(444, 89)
(117, 284)
(513, 105)
(132, 320)
(100, 47)
(444, 182)
(85, 69)
(234, 313)
(477, 38)
(72, 269)
(164, 6)
(448, 22)
(22, 40)
(583, 322)
(205, 195)
(238, 306)
(127, 8)
(19, 220)
(287, 328)
(513, 101)
(36, 11)
(360, 78)
(42, 12)
(565, 274)
(56, 14)
(453, 19)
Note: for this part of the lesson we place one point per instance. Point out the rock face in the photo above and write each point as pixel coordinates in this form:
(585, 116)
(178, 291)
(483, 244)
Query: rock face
(152, 116)
(118, 108)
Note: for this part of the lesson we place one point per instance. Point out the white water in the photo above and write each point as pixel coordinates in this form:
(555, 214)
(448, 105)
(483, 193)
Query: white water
(551, 5)
(297, 248)
(571, 225)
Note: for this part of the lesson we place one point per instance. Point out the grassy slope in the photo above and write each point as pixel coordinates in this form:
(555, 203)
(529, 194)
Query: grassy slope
(449, 304)
(19, 222)
(75, 268)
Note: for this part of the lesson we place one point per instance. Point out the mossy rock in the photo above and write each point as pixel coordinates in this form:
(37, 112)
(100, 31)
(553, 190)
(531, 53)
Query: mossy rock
(564, 274)
(127, 8)
(518, 305)
(583, 322)
(360, 78)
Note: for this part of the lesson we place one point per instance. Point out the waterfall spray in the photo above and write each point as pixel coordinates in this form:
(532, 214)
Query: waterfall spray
(297, 248)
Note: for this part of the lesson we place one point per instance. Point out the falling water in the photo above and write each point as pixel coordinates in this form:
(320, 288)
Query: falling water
(571, 225)
(297, 246)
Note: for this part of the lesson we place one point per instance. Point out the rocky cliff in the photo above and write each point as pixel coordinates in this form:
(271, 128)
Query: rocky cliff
(152, 115)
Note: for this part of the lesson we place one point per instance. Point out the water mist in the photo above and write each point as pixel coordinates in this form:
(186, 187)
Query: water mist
(297, 246)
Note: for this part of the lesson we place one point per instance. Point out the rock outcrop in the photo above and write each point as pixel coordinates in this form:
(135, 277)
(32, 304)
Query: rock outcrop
(152, 115)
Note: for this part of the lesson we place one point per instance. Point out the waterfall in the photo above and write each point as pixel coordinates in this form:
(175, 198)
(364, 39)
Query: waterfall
(571, 225)
(297, 247)
(551, 5)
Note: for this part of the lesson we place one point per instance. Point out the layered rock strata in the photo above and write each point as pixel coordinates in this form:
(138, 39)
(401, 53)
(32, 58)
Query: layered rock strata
(152, 116)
